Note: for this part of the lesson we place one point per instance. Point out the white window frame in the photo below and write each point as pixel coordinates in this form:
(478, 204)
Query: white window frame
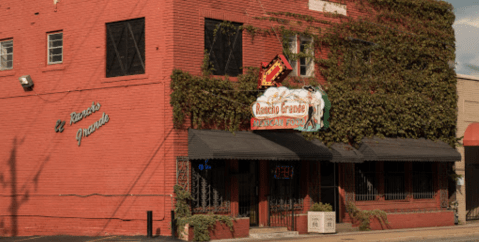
(295, 47)
(4, 54)
(309, 62)
(49, 55)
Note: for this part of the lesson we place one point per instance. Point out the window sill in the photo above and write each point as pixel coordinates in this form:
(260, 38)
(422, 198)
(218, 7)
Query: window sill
(7, 73)
(124, 78)
(54, 67)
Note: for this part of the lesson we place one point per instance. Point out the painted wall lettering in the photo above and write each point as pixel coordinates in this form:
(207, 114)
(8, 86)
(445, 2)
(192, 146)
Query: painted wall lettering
(92, 128)
(59, 126)
(75, 117)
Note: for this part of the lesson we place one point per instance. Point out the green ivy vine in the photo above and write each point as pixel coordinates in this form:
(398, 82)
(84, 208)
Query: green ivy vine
(387, 73)
(202, 223)
(364, 216)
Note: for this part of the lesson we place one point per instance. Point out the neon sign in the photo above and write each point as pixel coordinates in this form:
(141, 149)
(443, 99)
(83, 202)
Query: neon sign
(205, 166)
(283, 172)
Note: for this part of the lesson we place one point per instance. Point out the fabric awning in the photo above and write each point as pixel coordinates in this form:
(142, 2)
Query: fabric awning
(397, 149)
(344, 153)
(471, 136)
(258, 145)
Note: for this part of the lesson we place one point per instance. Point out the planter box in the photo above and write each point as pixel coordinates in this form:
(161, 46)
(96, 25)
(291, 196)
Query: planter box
(221, 231)
(321, 222)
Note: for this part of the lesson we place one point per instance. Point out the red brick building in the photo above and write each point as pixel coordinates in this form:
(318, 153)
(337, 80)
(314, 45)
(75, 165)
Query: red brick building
(90, 147)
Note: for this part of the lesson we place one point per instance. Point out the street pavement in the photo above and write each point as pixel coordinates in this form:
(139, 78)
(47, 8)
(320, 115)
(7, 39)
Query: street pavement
(461, 233)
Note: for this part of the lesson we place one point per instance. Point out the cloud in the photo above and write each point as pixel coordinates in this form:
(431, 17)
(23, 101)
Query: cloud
(466, 29)
(467, 47)
(472, 21)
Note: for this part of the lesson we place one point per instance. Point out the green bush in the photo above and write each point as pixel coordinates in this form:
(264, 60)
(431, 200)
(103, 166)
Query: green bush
(321, 207)
(201, 223)
(364, 216)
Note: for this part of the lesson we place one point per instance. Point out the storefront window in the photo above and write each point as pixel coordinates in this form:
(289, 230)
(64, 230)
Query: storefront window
(394, 181)
(423, 186)
(208, 186)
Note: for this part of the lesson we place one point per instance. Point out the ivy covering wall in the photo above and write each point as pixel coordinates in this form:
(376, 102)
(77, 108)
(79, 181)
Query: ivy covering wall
(387, 73)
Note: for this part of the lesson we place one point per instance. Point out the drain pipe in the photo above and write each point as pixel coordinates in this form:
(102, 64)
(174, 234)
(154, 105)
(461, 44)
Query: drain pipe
(149, 223)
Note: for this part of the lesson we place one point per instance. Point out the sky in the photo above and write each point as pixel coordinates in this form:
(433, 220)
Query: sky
(466, 27)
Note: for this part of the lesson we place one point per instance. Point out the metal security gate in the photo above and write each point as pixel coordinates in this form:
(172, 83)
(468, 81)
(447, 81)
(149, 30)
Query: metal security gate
(248, 191)
(472, 192)
(281, 211)
(285, 201)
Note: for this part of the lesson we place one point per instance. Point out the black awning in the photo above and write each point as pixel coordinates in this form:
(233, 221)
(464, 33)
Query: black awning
(263, 145)
(397, 149)
(344, 153)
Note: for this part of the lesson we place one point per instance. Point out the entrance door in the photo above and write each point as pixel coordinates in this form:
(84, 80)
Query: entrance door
(472, 182)
(248, 191)
(329, 186)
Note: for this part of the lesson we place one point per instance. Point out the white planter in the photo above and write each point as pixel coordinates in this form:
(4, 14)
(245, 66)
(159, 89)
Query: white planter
(321, 222)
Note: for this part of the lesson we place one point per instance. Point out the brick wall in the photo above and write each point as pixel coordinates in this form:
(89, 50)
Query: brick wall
(415, 220)
(49, 184)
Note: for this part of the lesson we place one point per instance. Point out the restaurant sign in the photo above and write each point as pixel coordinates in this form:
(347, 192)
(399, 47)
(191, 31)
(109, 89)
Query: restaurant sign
(305, 109)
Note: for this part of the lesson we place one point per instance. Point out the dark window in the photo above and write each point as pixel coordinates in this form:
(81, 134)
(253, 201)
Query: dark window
(394, 181)
(224, 45)
(423, 186)
(125, 48)
(208, 187)
(359, 56)
(366, 185)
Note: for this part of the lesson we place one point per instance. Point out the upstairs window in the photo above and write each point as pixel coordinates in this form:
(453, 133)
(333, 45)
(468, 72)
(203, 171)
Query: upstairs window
(224, 45)
(6, 55)
(55, 48)
(125, 48)
(301, 60)
(359, 56)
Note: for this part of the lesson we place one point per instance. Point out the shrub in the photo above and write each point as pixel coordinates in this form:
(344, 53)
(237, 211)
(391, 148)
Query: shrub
(320, 207)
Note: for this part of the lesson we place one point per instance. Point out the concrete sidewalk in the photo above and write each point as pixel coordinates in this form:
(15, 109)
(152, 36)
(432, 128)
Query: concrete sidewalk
(398, 234)
(414, 234)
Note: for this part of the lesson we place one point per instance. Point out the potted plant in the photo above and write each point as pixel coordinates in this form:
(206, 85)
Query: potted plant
(321, 218)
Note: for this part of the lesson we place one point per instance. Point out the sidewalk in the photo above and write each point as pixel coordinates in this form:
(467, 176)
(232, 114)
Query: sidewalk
(385, 235)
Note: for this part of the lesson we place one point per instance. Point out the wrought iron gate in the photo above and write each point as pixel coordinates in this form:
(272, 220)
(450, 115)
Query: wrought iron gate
(282, 211)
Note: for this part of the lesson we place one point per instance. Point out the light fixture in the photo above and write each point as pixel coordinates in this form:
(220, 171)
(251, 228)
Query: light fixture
(26, 81)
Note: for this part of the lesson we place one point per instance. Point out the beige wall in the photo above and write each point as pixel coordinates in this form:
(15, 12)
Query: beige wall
(468, 112)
